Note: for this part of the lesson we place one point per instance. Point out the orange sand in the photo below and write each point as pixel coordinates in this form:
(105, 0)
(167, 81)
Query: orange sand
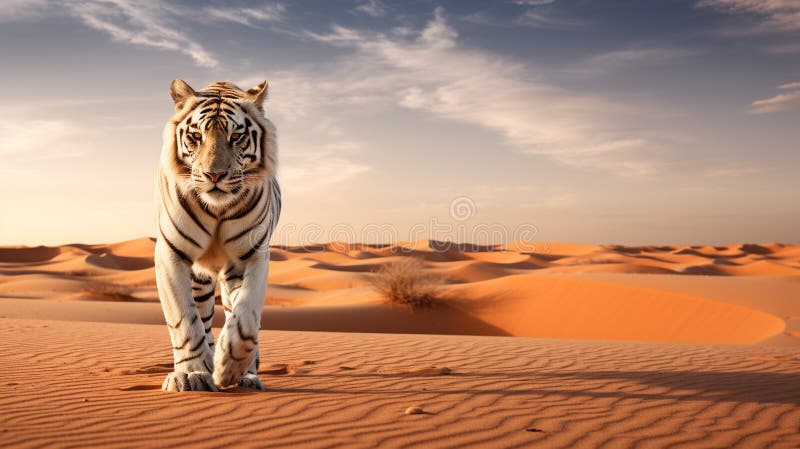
(726, 294)
(637, 347)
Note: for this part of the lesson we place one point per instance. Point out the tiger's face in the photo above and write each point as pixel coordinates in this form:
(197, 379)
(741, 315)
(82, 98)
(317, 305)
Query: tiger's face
(219, 142)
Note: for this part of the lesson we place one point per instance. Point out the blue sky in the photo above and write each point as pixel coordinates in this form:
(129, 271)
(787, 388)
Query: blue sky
(593, 121)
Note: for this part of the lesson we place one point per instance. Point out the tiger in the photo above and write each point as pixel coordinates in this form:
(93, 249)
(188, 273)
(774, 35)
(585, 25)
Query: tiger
(218, 205)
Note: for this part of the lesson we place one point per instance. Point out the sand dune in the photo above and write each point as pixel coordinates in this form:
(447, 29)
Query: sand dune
(542, 290)
(705, 350)
(81, 384)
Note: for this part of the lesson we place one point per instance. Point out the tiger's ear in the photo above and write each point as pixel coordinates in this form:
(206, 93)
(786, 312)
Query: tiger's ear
(180, 92)
(259, 94)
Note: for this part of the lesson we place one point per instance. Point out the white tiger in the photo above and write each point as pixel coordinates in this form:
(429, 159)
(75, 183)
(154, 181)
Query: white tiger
(218, 204)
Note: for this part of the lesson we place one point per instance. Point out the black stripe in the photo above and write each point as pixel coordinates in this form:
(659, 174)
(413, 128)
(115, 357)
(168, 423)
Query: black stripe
(174, 249)
(191, 214)
(255, 248)
(176, 325)
(204, 281)
(206, 318)
(254, 200)
(182, 234)
(198, 344)
(185, 342)
(242, 334)
(180, 140)
(186, 359)
(230, 353)
(204, 298)
(258, 222)
(204, 206)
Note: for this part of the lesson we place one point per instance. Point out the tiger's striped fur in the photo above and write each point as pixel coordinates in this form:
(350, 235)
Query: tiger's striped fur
(218, 205)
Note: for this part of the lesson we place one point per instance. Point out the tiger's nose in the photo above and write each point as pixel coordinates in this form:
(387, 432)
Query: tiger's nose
(215, 176)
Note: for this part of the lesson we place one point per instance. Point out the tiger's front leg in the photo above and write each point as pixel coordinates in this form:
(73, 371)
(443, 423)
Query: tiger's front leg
(193, 359)
(243, 291)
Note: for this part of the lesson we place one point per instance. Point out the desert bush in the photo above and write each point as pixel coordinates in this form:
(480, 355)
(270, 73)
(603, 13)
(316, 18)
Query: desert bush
(109, 290)
(405, 283)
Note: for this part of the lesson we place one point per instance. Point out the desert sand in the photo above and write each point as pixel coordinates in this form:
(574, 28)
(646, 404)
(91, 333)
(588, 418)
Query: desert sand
(568, 346)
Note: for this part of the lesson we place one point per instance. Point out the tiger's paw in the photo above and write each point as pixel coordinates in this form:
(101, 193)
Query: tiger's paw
(236, 346)
(250, 380)
(193, 381)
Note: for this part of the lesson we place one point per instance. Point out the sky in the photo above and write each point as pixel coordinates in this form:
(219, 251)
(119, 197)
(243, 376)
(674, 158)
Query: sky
(614, 121)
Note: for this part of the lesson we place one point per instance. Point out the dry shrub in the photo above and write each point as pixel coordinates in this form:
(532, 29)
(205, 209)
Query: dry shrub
(108, 290)
(405, 283)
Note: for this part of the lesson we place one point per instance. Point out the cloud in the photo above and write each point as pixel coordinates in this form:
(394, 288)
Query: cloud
(372, 8)
(537, 14)
(732, 170)
(246, 16)
(781, 102)
(154, 23)
(534, 2)
(536, 18)
(634, 56)
(339, 36)
(42, 138)
(790, 86)
(17, 10)
(429, 71)
(145, 24)
(774, 15)
(38, 138)
(309, 172)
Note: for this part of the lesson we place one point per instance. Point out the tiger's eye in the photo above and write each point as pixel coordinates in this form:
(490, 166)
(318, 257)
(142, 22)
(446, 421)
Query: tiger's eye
(235, 137)
(197, 136)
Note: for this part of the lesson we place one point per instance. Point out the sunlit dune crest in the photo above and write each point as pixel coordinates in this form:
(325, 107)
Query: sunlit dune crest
(555, 290)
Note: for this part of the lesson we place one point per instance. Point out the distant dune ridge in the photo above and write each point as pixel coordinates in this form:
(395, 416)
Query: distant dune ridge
(657, 347)
(562, 291)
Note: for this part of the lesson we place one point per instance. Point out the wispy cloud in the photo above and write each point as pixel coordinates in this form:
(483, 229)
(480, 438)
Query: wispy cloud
(39, 138)
(534, 2)
(416, 72)
(15, 10)
(781, 102)
(145, 24)
(155, 23)
(537, 18)
(536, 14)
(246, 16)
(773, 15)
(43, 137)
(372, 8)
(310, 172)
(635, 56)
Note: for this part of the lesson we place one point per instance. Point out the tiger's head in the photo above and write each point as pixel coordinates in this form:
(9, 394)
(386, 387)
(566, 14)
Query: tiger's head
(223, 142)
